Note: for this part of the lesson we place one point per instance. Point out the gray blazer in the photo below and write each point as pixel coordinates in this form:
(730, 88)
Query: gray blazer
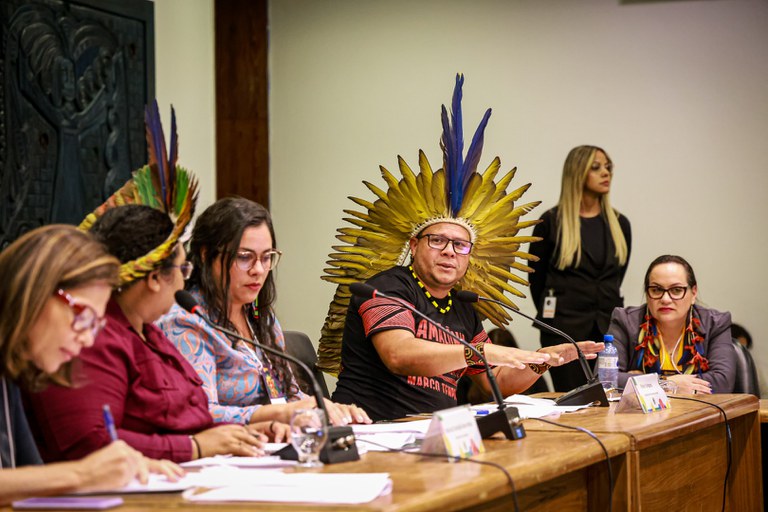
(715, 327)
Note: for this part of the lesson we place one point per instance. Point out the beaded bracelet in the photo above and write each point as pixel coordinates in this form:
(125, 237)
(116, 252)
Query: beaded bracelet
(473, 358)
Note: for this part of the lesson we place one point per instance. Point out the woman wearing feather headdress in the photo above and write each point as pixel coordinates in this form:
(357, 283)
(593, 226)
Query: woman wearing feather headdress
(673, 336)
(234, 251)
(156, 397)
(56, 283)
(582, 258)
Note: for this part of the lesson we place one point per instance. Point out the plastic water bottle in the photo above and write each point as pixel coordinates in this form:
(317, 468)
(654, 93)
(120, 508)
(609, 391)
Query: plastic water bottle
(608, 364)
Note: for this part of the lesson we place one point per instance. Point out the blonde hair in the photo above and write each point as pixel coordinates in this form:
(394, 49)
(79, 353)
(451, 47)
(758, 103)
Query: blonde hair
(575, 171)
(31, 269)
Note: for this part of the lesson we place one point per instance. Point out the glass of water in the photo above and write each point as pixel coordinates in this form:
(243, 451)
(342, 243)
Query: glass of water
(309, 433)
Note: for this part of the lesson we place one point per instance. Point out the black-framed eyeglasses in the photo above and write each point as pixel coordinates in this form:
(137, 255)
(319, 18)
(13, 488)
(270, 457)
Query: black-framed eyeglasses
(675, 292)
(440, 242)
(245, 260)
(186, 269)
(85, 317)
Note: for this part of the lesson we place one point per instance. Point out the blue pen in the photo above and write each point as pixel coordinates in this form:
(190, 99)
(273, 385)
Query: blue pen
(482, 412)
(109, 422)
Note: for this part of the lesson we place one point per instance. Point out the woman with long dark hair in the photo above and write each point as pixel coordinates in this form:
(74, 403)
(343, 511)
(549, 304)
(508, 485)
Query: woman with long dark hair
(234, 251)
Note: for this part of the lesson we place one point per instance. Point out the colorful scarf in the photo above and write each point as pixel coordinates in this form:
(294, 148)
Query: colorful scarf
(692, 360)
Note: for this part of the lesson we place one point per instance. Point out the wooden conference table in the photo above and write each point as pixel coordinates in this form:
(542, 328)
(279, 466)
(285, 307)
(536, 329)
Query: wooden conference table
(670, 460)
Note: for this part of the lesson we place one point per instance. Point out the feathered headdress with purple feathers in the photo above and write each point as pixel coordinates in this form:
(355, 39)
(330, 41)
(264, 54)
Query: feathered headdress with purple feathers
(379, 236)
(161, 184)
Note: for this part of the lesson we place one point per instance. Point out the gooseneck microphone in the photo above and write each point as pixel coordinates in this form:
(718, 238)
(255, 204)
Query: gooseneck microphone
(340, 446)
(506, 419)
(590, 392)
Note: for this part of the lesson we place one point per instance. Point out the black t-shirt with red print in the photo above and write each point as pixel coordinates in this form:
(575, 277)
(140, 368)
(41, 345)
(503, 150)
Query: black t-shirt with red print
(365, 380)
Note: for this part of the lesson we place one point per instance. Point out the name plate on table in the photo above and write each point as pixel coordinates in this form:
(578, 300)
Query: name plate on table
(643, 392)
(453, 432)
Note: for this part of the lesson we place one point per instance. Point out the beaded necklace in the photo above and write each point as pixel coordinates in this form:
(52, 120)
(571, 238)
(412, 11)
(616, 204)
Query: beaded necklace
(429, 295)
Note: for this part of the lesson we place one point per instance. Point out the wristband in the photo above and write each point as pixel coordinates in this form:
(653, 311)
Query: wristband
(197, 445)
(539, 369)
(471, 357)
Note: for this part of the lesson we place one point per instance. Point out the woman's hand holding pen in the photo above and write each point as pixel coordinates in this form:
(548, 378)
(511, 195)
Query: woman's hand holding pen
(111, 467)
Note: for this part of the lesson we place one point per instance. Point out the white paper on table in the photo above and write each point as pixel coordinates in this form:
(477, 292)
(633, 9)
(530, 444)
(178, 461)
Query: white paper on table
(385, 441)
(240, 462)
(211, 476)
(403, 427)
(345, 488)
(530, 407)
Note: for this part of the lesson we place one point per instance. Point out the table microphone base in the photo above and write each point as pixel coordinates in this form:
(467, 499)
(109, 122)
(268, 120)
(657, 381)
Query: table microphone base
(340, 447)
(584, 395)
(506, 420)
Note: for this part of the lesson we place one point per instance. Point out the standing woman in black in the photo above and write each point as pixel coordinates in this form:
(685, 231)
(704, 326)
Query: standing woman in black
(583, 257)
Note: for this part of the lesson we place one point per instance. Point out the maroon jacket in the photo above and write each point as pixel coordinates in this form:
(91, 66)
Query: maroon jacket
(155, 396)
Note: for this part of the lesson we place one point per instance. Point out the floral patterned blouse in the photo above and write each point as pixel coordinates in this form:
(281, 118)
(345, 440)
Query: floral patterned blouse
(233, 375)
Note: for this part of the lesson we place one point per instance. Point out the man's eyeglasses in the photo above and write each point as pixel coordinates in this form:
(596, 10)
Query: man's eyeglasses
(86, 318)
(440, 242)
(245, 260)
(186, 269)
(675, 292)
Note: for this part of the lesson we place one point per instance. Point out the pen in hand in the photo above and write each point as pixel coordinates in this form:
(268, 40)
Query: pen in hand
(109, 422)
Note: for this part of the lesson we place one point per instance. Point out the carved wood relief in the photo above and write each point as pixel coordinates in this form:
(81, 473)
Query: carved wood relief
(75, 78)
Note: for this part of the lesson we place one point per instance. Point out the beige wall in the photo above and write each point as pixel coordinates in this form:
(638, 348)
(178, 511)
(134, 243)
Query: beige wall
(184, 77)
(675, 91)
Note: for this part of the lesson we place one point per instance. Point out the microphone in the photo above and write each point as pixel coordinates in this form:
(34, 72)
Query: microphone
(505, 419)
(340, 446)
(590, 392)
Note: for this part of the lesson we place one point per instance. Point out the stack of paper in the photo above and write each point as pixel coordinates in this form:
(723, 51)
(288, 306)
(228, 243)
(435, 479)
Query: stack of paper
(343, 488)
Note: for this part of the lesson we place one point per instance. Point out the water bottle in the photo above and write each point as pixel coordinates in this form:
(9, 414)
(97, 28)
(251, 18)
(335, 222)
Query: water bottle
(608, 364)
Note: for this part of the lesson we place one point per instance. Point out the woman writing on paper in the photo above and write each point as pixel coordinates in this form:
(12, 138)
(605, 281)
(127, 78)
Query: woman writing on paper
(56, 283)
(234, 252)
(673, 336)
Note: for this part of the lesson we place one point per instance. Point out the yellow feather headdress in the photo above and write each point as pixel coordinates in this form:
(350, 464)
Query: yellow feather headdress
(160, 184)
(457, 193)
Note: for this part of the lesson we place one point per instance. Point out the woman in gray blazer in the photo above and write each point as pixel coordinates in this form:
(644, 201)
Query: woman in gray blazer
(672, 335)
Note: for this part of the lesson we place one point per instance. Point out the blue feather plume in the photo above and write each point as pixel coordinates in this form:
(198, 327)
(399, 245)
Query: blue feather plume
(458, 171)
(173, 150)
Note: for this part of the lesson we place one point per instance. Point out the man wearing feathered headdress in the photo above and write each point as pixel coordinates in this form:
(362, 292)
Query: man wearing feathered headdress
(460, 229)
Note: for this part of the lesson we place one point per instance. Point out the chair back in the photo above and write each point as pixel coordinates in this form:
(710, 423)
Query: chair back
(746, 373)
(300, 346)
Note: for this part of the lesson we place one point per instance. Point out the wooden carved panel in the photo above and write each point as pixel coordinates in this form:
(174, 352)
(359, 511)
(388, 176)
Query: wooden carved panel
(75, 78)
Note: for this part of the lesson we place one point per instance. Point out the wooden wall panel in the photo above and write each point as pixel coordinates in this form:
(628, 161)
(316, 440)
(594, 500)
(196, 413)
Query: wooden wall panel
(242, 121)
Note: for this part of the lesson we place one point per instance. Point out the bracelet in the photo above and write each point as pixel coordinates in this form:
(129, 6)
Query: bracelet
(473, 358)
(197, 445)
(539, 369)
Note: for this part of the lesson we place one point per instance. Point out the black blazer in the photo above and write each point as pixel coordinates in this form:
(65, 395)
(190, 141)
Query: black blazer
(587, 294)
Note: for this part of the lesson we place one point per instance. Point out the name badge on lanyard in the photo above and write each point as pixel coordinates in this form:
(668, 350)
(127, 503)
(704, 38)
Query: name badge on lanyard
(275, 396)
(550, 305)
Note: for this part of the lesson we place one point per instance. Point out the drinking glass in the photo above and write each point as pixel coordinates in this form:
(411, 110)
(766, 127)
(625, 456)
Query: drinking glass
(309, 433)
(669, 387)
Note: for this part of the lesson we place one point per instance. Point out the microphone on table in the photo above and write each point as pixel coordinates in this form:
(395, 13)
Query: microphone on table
(586, 394)
(507, 418)
(340, 446)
